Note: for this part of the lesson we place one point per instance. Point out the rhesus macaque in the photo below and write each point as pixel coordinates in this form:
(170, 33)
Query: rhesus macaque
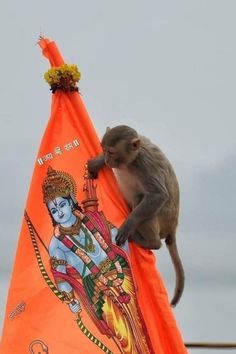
(149, 185)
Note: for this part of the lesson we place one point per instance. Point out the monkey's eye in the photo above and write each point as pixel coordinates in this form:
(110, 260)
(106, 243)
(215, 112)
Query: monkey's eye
(111, 152)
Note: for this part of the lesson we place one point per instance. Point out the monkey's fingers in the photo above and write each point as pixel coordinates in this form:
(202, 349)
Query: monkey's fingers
(92, 175)
(118, 242)
(92, 169)
(120, 239)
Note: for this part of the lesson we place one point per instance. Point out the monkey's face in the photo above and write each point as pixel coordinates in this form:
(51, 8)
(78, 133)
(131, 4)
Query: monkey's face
(113, 157)
(121, 154)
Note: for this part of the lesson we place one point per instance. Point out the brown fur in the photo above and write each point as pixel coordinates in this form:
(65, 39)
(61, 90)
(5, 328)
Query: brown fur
(148, 183)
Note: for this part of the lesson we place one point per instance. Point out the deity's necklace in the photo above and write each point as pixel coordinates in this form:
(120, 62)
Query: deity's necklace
(74, 231)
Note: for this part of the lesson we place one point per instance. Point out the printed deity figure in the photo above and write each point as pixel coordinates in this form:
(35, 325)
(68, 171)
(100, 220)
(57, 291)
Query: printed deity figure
(89, 269)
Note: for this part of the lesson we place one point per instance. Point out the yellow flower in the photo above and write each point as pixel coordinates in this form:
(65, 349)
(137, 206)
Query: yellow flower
(64, 77)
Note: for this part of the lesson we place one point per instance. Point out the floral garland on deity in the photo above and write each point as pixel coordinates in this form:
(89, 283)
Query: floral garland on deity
(108, 283)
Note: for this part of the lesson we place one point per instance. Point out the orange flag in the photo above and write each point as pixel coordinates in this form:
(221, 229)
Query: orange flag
(73, 290)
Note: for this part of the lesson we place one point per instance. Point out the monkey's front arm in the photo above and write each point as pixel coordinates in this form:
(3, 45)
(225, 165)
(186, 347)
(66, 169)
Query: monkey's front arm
(148, 208)
(94, 165)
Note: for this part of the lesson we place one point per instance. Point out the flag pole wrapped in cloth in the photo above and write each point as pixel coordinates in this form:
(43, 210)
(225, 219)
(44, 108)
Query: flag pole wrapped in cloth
(73, 290)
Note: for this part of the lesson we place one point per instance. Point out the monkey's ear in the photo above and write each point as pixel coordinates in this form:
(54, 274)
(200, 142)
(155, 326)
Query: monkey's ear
(107, 129)
(135, 143)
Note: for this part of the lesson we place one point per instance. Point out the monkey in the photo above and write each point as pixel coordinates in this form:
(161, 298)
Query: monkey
(149, 185)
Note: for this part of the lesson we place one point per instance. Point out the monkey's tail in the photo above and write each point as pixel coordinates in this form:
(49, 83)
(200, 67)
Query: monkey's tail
(179, 270)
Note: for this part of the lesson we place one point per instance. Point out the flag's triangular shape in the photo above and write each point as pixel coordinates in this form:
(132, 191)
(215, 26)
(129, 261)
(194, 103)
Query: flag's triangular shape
(73, 291)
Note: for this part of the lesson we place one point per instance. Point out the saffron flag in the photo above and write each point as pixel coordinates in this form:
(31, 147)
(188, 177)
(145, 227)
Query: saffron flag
(73, 290)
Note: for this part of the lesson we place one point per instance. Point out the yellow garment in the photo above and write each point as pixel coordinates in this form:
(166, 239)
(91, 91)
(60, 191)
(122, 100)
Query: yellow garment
(124, 321)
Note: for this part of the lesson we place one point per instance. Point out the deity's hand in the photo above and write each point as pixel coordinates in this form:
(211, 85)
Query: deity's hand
(126, 231)
(75, 306)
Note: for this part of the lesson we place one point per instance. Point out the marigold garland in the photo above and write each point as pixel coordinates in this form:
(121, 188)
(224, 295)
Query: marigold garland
(64, 77)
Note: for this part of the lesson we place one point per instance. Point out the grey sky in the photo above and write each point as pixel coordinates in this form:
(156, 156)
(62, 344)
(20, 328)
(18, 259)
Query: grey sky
(166, 68)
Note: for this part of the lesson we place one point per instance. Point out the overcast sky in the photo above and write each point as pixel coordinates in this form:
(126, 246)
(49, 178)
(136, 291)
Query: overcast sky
(167, 68)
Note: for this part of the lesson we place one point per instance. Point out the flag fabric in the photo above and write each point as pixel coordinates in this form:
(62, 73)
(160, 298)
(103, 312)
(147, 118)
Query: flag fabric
(73, 290)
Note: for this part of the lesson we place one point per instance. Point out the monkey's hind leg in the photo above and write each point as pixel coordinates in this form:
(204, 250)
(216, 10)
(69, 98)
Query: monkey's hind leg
(147, 235)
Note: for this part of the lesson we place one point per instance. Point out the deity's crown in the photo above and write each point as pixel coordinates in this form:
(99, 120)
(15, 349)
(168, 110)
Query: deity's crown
(57, 184)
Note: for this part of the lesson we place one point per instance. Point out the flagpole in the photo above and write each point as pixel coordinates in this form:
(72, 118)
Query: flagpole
(210, 345)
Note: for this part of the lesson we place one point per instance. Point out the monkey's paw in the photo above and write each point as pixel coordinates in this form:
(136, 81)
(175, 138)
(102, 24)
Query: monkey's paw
(126, 231)
(93, 168)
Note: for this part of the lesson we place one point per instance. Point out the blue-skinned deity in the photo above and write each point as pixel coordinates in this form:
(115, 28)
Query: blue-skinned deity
(89, 269)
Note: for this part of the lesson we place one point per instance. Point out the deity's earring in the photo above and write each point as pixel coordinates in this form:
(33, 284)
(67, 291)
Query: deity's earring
(72, 205)
(72, 202)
